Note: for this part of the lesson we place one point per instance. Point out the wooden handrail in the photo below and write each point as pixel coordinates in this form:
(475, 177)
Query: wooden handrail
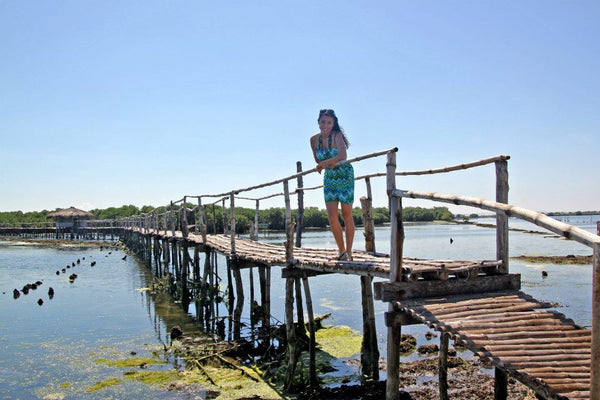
(558, 227)
(553, 225)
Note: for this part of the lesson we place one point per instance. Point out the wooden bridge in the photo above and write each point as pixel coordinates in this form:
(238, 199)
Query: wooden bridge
(478, 303)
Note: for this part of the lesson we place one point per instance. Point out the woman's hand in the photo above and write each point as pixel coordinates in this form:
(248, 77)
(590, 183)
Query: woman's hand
(320, 167)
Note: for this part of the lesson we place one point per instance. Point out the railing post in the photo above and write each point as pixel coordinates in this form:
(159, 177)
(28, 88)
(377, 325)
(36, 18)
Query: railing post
(595, 364)
(366, 204)
(256, 212)
(394, 328)
(171, 221)
(184, 227)
(224, 218)
(232, 218)
(300, 219)
(289, 244)
(501, 218)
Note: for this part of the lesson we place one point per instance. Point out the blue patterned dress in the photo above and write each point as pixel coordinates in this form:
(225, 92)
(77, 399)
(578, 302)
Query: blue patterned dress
(338, 182)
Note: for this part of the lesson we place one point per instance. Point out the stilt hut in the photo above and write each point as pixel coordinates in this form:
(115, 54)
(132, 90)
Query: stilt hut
(69, 220)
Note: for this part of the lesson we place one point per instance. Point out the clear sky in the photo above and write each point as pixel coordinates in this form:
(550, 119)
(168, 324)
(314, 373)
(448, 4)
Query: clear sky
(106, 103)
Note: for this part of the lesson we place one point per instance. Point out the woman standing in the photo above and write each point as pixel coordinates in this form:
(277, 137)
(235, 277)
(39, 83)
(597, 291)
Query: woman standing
(329, 147)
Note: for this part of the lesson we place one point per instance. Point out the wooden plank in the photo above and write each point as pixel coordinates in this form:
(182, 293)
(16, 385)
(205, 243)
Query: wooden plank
(393, 291)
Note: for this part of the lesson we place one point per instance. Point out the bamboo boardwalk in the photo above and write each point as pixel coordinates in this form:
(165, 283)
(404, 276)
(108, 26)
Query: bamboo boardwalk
(477, 303)
(319, 260)
(540, 348)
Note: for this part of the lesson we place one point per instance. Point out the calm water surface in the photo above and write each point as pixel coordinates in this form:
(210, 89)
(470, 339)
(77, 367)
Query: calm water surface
(48, 351)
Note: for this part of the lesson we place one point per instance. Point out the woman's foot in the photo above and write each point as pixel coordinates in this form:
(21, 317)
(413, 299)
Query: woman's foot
(345, 256)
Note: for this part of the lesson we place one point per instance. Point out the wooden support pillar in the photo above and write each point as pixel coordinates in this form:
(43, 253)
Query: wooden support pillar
(185, 294)
(239, 305)
(231, 304)
(396, 248)
(264, 273)
(293, 348)
(290, 333)
(443, 366)
(299, 306)
(501, 218)
(392, 387)
(500, 384)
(369, 347)
(595, 364)
(311, 328)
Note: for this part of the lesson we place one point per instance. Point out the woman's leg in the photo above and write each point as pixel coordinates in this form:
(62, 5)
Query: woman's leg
(348, 226)
(334, 223)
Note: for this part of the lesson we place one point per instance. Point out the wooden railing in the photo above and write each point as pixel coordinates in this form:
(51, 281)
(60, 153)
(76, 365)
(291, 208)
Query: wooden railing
(505, 211)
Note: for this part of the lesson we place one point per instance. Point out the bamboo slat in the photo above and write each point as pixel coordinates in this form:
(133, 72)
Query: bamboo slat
(541, 348)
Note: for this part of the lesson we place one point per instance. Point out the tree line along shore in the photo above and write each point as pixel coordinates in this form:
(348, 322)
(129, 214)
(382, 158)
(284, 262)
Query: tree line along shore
(272, 218)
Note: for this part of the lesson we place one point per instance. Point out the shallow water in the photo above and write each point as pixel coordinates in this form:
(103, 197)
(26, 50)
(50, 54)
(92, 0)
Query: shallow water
(48, 351)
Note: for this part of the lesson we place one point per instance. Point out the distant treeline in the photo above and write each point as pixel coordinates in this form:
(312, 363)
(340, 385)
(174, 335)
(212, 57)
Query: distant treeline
(273, 218)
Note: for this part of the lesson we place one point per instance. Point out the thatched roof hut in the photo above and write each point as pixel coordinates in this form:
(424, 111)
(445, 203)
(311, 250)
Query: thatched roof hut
(70, 217)
(70, 212)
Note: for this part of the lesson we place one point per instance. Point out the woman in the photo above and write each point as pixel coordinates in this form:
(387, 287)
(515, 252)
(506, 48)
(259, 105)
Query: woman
(329, 147)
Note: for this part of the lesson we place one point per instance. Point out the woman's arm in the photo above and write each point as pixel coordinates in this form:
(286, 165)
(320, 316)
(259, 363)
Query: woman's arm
(341, 155)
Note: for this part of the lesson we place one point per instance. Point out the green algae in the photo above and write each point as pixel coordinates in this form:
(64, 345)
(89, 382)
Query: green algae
(129, 362)
(103, 384)
(65, 385)
(339, 341)
(160, 378)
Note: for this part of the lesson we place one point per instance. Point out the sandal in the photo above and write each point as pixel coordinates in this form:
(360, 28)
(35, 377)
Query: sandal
(345, 256)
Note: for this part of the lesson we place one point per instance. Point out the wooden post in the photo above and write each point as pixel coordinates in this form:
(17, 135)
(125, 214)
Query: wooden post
(224, 218)
(289, 245)
(311, 328)
(264, 273)
(369, 348)
(396, 243)
(392, 385)
(501, 218)
(290, 333)
(300, 219)
(595, 365)
(293, 348)
(239, 305)
(370, 351)
(500, 384)
(232, 218)
(256, 209)
(171, 220)
(184, 227)
(443, 366)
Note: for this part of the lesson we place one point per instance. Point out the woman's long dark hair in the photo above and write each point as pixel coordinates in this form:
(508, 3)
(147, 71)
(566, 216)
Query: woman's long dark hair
(336, 126)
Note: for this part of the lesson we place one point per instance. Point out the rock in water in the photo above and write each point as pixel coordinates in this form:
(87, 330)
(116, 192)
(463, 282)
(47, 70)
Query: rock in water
(176, 332)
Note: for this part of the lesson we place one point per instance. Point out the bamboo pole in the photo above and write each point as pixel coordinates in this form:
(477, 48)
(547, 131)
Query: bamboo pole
(184, 227)
(595, 357)
(443, 366)
(311, 328)
(395, 328)
(500, 384)
(232, 218)
(501, 218)
(553, 225)
(290, 333)
(239, 305)
(256, 214)
(300, 218)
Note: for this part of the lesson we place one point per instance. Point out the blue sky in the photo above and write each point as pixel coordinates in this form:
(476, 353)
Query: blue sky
(105, 103)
